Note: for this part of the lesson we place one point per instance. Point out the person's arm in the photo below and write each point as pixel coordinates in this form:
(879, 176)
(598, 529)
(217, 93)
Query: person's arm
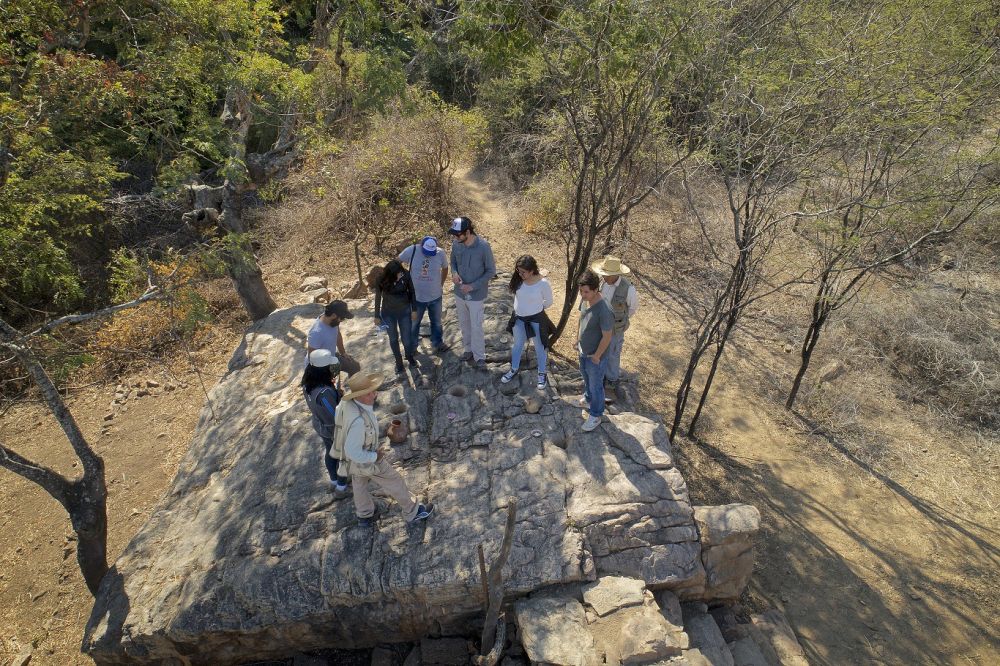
(354, 440)
(602, 346)
(546, 294)
(632, 300)
(455, 277)
(489, 269)
(378, 305)
(327, 409)
(444, 270)
(340, 343)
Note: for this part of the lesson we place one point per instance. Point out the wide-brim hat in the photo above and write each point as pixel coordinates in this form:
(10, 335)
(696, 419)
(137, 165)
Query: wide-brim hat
(611, 266)
(362, 383)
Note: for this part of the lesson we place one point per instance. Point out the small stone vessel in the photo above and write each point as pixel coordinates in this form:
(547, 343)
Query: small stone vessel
(398, 431)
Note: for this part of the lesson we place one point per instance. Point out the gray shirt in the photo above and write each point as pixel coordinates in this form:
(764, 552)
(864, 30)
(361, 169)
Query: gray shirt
(322, 336)
(595, 321)
(425, 272)
(474, 264)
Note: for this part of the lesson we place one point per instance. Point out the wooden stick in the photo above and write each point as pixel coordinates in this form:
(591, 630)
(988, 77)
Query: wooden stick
(496, 579)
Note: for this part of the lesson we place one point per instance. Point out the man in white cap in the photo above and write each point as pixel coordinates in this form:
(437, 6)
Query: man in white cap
(620, 294)
(472, 268)
(428, 270)
(357, 439)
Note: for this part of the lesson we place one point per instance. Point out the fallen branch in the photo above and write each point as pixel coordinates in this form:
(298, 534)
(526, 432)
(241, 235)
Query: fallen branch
(494, 584)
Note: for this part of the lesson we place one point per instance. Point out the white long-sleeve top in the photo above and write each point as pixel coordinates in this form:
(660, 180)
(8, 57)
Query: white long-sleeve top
(631, 298)
(530, 299)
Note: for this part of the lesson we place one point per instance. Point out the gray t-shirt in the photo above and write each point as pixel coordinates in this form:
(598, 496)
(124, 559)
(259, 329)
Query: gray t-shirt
(425, 272)
(594, 321)
(322, 336)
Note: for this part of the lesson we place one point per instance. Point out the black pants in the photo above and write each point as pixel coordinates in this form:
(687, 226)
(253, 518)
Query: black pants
(332, 464)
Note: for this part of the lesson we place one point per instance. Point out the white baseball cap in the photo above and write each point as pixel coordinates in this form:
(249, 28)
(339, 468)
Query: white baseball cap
(322, 358)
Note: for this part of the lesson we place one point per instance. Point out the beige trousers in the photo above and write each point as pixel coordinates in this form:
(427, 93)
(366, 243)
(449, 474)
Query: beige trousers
(470, 322)
(389, 481)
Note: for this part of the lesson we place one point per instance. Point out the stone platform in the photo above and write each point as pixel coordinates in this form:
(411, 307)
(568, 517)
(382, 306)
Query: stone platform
(248, 556)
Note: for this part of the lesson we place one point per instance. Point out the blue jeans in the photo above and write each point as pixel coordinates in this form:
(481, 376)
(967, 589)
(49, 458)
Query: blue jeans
(433, 310)
(399, 327)
(593, 383)
(520, 339)
(332, 464)
(614, 355)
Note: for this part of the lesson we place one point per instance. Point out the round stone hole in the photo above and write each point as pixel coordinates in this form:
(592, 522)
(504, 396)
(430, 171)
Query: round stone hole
(558, 440)
(457, 391)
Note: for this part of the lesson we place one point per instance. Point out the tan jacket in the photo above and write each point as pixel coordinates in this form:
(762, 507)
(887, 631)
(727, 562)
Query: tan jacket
(356, 434)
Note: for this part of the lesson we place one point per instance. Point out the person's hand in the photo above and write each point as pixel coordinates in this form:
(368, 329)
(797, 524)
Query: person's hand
(456, 279)
(413, 316)
(466, 288)
(595, 358)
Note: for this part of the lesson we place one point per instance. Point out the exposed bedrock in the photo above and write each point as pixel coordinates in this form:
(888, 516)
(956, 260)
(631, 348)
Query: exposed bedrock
(249, 555)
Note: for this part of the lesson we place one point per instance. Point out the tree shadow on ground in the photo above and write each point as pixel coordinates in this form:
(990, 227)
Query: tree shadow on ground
(790, 550)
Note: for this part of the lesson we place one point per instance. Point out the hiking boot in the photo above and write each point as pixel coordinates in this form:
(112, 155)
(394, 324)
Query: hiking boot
(442, 348)
(480, 364)
(542, 381)
(423, 512)
(509, 375)
(467, 357)
(412, 361)
(591, 423)
(400, 369)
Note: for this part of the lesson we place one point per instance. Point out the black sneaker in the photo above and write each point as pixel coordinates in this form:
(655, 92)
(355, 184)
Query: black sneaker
(400, 369)
(467, 357)
(423, 512)
(366, 522)
(412, 361)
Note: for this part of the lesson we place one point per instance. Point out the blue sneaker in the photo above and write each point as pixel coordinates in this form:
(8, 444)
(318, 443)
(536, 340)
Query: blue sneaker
(423, 512)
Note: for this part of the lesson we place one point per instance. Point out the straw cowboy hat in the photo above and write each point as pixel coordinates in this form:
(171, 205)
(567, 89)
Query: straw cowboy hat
(611, 266)
(362, 383)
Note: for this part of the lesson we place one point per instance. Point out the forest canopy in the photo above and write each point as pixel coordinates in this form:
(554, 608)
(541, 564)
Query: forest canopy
(109, 108)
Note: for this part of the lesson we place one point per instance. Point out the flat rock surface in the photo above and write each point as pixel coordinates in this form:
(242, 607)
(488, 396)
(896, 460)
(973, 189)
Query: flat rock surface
(249, 556)
(554, 631)
(610, 593)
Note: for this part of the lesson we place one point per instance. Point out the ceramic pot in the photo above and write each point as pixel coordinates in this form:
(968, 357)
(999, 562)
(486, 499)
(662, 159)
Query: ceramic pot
(398, 431)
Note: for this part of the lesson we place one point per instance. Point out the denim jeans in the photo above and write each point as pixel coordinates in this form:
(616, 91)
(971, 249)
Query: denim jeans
(520, 340)
(332, 464)
(433, 310)
(593, 383)
(614, 355)
(400, 326)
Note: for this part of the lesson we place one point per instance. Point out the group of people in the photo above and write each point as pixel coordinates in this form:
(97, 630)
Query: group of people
(413, 284)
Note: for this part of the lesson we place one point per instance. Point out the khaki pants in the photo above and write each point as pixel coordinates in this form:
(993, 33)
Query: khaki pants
(388, 481)
(470, 322)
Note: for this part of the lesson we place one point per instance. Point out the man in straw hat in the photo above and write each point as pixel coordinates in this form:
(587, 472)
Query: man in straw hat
(357, 440)
(621, 296)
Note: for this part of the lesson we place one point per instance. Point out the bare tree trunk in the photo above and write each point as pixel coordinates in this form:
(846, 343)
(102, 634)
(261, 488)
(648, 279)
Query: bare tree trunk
(495, 577)
(808, 345)
(719, 349)
(241, 264)
(85, 499)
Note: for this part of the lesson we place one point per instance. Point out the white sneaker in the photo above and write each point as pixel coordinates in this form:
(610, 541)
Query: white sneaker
(591, 423)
